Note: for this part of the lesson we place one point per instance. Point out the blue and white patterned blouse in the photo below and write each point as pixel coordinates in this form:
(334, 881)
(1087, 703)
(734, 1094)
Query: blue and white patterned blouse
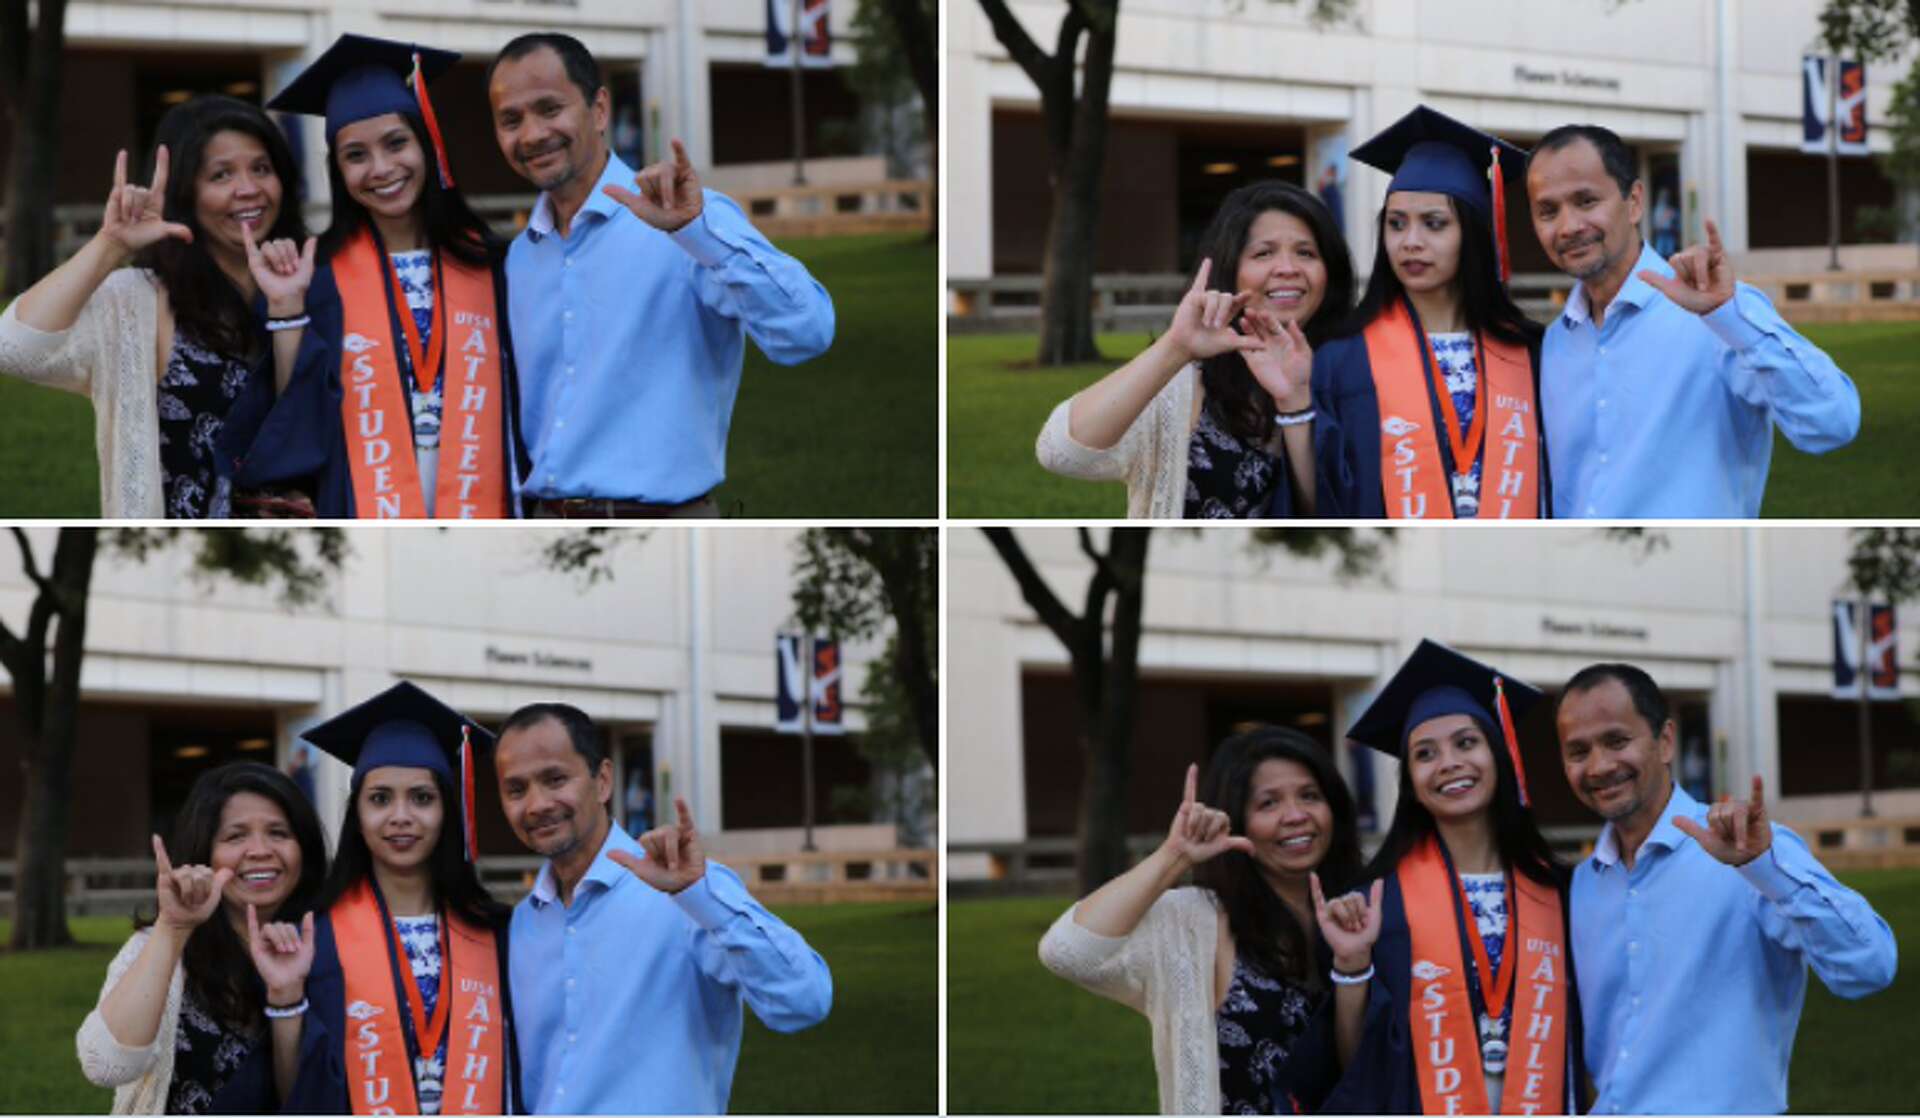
(415, 270)
(1454, 355)
(1487, 905)
(420, 938)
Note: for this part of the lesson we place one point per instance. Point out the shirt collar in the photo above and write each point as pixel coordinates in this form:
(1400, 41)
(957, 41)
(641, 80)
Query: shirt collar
(540, 221)
(1606, 849)
(604, 871)
(1633, 293)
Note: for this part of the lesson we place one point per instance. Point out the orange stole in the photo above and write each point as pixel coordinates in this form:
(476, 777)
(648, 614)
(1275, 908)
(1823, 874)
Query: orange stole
(1412, 475)
(386, 475)
(1446, 1039)
(468, 1013)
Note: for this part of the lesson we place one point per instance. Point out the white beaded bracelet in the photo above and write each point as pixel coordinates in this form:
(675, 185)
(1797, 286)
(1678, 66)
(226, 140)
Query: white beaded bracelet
(276, 325)
(1292, 419)
(279, 1013)
(1360, 979)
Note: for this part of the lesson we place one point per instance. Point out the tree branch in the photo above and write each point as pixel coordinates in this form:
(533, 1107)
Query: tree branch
(1054, 615)
(28, 565)
(1020, 45)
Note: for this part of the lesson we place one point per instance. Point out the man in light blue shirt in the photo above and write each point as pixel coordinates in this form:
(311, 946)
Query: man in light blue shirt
(630, 960)
(1694, 927)
(630, 299)
(1661, 383)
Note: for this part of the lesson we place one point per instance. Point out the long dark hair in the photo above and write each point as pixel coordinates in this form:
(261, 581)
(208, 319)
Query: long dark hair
(456, 883)
(1236, 399)
(1515, 835)
(1265, 931)
(450, 223)
(219, 970)
(206, 305)
(1485, 303)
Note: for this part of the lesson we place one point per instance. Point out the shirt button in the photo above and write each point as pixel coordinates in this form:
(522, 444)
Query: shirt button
(570, 1037)
(1603, 402)
(1632, 949)
(569, 983)
(569, 929)
(557, 424)
(1603, 458)
(1591, 511)
(569, 262)
(568, 315)
(1630, 892)
(1636, 1001)
(569, 370)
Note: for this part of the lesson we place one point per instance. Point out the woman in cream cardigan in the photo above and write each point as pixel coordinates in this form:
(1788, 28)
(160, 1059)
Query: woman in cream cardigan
(181, 1023)
(1230, 970)
(165, 347)
(1213, 419)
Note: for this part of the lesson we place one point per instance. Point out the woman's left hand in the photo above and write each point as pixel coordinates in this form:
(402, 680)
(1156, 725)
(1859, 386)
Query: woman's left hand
(1284, 363)
(1350, 924)
(283, 954)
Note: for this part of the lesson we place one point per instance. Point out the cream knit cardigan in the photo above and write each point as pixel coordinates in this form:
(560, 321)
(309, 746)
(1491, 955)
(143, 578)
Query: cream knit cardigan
(107, 354)
(1165, 971)
(1151, 457)
(140, 1077)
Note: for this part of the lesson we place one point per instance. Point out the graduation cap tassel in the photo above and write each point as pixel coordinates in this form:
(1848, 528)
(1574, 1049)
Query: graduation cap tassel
(1500, 218)
(1513, 739)
(419, 82)
(466, 794)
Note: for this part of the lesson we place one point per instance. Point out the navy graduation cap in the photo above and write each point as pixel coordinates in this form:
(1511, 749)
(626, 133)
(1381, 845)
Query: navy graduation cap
(1437, 681)
(405, 726)
(360, 77)
(1429, 151)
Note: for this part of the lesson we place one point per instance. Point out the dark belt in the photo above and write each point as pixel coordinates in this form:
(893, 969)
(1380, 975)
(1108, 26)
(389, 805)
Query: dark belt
(601, 508)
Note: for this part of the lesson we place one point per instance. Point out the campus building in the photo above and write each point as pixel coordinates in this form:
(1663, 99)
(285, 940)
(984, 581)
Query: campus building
(691, 69)
(1210, 94)
(673, 657)
(1735, 624)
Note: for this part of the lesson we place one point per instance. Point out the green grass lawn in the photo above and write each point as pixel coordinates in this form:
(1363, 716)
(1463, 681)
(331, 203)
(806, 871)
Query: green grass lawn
(877, 1052)
(1020, 1040)
(854, 433)
(996, 406)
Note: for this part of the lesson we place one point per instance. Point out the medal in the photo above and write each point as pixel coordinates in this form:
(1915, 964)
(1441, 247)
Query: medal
(1493, 1048)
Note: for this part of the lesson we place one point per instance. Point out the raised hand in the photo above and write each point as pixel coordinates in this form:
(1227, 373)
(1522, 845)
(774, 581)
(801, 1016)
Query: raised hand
(1736, 833)
(1200, 832)
(283, 954)
(1350, 924)
(674, 858)
(187, 895)
(1703, 275)
(283, 272)
(134, 215)
(1284, 362)
(669, 194)
(1203, 322)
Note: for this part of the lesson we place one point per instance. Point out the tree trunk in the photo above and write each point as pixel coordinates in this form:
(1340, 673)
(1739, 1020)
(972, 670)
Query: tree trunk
(923, 60)
(40, 909)
(1108, 682)
(34, 92)
(1066, 329)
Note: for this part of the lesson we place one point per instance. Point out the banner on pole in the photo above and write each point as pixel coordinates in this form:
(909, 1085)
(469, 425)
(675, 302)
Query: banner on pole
(1883, 671)
(816, 42)
(792, 681)
(1851, 104)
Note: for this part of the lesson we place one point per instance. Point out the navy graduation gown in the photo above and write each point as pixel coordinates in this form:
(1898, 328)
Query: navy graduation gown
(320, 1082)
(300, 437)
(1346, 435)
(1383, 1079)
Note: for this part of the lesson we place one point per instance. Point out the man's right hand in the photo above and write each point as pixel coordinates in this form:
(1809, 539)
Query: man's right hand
(187, 895)
(1203, 323)
(134, 216)
(1200, 832)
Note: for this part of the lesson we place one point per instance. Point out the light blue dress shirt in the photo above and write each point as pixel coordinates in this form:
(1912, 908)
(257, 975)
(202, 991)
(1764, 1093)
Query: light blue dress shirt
(629, 342)
(628, 1000)
(1692, 972)
(1664, 413)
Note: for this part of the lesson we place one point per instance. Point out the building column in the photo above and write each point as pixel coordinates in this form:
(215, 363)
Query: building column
(966, 166)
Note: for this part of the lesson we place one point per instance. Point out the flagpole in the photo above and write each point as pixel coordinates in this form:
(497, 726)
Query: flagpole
(1864, 674)
(1833, 167)
(806, 742)
(795, 44)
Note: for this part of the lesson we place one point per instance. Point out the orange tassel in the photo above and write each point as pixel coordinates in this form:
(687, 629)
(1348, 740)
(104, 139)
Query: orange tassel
(1500, 218)
(433, 125)
(1513, 739)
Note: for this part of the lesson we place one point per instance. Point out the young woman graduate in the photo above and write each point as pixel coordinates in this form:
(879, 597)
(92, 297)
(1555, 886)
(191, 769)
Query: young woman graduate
(394, 367)
(1427, 407)
(408, 944)
(1454, 994)
(180, 1021)
(1228, 970)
